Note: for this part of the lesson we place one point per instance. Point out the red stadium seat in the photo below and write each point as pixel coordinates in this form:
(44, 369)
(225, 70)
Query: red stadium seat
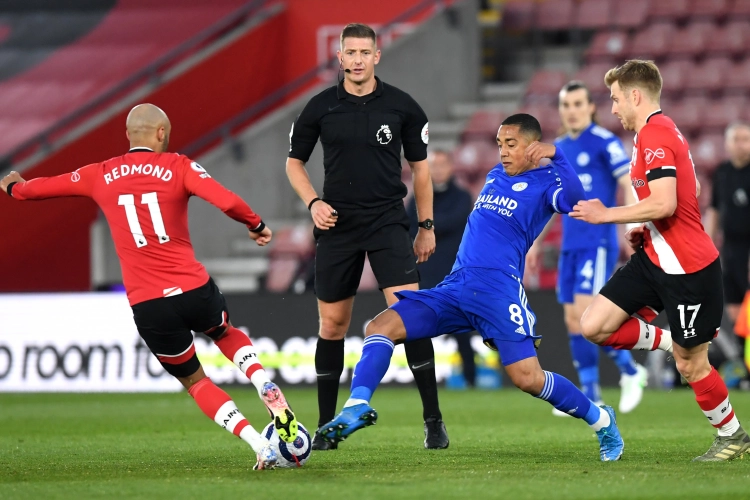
(548, 116)
(593, 76)
(368, 281)
(631, 14)
(739, 9)
(518, 15)
(482, 126)
(281, 272)
(606, 119)
(707, 153)
(296, 241)
(544, 86)
(607, 46)
(738, 78)
(555, 15)
(688, 114)
(594, 14)
(472, 158)
(708, 76)
(674, 74)
(709, 9)
(652, 42)
(669, 9)
(734, 39)
(722, 112)
(692, 39)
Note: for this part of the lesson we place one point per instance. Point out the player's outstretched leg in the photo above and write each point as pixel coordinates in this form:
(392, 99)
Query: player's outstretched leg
(561, 393)
(217, 405)
(238, 348)
(377, 351)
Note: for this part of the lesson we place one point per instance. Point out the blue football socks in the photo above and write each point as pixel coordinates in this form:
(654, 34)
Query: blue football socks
(566, 397)
(586, 361)
(376, 357)
(623, 359)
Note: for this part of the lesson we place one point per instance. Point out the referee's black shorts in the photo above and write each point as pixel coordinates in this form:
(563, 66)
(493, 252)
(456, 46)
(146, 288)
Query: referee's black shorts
(380, 233)
(694, 302)
(734, 261)
(166, 325)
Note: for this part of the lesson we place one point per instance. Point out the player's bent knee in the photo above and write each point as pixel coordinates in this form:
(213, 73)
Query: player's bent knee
(333, 328)
(389, 324)
(693, 369)
(527, 375)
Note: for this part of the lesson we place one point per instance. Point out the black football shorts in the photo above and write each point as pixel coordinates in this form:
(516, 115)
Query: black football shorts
(382, 234)
(166, 325)
(694, 303)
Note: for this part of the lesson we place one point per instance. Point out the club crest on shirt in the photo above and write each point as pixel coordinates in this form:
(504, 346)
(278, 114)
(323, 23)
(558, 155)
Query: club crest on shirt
(520, 186)
(583, 159)
(650, 155)
(384, 134)
(75, 177)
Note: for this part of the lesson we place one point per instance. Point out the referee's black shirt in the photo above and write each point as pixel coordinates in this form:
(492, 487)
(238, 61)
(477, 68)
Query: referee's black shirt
(731, 197)
(362, 138)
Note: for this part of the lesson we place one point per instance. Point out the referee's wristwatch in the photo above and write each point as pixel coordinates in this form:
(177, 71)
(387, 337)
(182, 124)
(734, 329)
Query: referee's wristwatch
(427, 224)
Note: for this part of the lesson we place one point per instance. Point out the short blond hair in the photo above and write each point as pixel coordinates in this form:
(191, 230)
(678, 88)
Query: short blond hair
(637, 73)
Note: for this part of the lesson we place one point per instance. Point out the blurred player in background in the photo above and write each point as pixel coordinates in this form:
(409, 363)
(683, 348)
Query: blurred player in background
(484, 291)
(589, 252)
(675, 266)
(729, 214)
(144, 195)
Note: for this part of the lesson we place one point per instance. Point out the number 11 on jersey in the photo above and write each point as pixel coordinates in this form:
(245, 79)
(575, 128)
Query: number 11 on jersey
(150, 199)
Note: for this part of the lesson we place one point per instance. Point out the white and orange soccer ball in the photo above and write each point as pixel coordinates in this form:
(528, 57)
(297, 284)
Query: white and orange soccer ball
(290, 454)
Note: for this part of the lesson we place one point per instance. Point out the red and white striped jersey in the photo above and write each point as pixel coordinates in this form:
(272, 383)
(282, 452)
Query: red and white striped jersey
(144, 196)
(677, 244)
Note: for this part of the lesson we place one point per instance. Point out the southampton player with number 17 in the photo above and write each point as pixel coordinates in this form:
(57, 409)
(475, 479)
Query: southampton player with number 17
(484, 291)
(675, 266)
(144, 196)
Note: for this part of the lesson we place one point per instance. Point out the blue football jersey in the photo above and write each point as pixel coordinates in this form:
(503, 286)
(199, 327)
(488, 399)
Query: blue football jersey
(510, 212)
(599, 159)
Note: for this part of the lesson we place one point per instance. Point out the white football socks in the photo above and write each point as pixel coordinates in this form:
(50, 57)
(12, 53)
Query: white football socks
(603, 421)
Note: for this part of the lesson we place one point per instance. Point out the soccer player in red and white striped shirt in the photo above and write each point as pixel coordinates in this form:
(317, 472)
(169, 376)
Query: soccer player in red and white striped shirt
(144, 196)
(675, 266)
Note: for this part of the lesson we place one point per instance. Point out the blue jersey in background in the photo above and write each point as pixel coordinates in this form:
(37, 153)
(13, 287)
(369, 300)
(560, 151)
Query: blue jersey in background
(599, 159)
(509, 214)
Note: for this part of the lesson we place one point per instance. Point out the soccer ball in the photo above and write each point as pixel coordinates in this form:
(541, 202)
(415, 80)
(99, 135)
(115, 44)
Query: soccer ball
(290, 454)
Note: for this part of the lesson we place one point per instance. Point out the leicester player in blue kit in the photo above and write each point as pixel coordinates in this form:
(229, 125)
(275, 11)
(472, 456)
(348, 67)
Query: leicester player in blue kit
(589, 252)
(484, 291)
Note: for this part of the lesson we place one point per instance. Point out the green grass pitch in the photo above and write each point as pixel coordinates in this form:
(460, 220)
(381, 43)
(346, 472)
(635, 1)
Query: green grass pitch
(503, 445)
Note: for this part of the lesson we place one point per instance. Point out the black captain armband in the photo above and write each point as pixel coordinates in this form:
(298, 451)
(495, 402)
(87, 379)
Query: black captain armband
(309, 205)
(9, 188)
(660, 172)
(260, 228)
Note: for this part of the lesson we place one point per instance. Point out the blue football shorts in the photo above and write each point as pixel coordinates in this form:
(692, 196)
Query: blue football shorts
(486, 300)
(584, 271)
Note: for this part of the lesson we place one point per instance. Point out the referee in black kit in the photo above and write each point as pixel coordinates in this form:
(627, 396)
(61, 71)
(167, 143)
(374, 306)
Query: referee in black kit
(362, 124)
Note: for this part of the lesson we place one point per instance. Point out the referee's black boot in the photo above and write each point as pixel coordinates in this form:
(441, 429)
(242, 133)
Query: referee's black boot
(319, 444)
(435, 435)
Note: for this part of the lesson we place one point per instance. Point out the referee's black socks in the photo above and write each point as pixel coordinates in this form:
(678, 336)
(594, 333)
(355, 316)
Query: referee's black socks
(421, 358)
(329, 363)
